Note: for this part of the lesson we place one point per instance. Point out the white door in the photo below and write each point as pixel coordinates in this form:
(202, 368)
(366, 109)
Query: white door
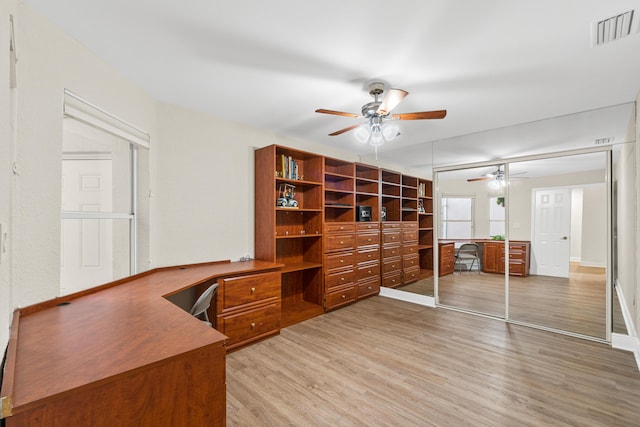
(551, 236)
(87, 244)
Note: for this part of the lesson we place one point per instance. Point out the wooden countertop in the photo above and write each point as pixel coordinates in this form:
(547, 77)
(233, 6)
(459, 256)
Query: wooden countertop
(90, 336)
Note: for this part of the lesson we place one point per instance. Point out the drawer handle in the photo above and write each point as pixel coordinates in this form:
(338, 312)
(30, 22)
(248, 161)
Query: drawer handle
(253, 325)
(369, 255)
(393, 281)
(342, 278)
(341, 228)
(344, 297)
(341, 261)
(369, 271)
(253, 290)
(369, 287)
(369, 240)
(342, 243)
(393, 266)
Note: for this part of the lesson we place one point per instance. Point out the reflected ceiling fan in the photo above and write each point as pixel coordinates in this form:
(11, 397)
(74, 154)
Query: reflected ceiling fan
(497, 175)
(378, 129)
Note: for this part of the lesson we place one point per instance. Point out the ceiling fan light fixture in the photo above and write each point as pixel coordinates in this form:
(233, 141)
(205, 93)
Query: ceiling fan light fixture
(362, 133)
(390, 131)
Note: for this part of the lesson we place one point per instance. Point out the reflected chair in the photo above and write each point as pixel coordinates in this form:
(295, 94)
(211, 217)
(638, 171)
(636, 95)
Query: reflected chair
(202, 304)
(467, 252)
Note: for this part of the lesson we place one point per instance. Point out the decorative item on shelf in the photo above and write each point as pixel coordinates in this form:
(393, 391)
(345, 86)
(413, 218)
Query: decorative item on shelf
(421, 190)
(364, 213)
(500, 201)
(498, 237)
(285, 197)
(383, 213)
(421, 206)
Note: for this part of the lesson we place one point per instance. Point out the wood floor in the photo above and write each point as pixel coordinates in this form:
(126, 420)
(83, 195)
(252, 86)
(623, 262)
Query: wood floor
(384, 362)
(576, 304)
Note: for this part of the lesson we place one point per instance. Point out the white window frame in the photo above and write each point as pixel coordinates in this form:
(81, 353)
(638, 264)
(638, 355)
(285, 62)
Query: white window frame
(443, 221)
(83, 111)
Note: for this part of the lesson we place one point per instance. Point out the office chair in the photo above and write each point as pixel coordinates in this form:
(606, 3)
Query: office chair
(202, 304)
(466, 252)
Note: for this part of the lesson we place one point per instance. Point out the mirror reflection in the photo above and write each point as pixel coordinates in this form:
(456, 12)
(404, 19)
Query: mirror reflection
(584, 175)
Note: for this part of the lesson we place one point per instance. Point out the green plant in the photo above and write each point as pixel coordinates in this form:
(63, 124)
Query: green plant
(500, 201)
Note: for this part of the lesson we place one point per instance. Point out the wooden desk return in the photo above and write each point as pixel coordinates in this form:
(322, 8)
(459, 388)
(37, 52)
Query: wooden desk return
(122, 355)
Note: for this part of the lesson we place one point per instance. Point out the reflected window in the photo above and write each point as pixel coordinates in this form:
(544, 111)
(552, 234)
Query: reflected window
(496, 216)
(456, 218)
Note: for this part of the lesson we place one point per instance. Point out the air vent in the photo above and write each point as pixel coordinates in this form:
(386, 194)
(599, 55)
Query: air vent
(614, 28)
(603, 141)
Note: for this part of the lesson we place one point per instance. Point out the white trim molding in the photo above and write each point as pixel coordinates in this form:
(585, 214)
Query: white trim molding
(629, 342)
(408, 297)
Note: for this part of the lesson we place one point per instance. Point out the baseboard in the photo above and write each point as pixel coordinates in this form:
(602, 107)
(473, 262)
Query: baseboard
(629, 342)
(626, 314)
(592, 264)
(408, 297)
(575, 259)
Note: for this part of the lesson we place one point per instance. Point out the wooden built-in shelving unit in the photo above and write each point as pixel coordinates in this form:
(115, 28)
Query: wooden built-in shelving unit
(330, 258)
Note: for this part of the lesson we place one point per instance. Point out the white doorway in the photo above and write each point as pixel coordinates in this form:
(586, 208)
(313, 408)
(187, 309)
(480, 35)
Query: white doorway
(551, 232)
(86, 244)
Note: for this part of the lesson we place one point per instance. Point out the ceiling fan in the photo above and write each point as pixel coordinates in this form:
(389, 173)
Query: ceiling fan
(497, 175)
(377, 129)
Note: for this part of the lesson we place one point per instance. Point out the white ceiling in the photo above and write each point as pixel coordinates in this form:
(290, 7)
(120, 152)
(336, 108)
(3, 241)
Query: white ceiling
(271, 64)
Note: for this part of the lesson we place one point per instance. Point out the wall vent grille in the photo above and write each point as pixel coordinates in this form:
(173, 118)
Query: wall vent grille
(614, 28)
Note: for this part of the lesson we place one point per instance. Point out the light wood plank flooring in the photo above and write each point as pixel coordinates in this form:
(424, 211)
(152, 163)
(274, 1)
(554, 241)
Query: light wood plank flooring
(383, 362)
(576, 304)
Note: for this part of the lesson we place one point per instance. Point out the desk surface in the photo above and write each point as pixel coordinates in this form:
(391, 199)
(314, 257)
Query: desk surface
(108, 330)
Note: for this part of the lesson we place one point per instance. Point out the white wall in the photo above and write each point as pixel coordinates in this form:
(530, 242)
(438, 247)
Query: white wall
(594, 226)
(49, 61)
(6, 141)
(576, 225)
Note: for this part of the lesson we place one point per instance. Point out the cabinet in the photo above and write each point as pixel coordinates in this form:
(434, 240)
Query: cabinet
(248, 308)
(331, 258)
(425, 227)
(493, 259)
(367, 258)
(446, 258)
(293, 236)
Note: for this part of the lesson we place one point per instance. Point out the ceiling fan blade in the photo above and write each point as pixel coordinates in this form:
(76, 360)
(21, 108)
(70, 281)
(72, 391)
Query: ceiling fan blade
(479, 179)
(391, 101)
(437, 114)
(341, 131)
(338, 113)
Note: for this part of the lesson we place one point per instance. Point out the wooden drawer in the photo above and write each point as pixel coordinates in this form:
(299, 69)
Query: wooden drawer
(339, 278)
(412, 274)
(410, 236)
(247, 289)
(410, 248)
(339, 227)
(363, 226)
(368, 287)
(391, 266)
(392, 280)
(391, 252)
(409, 225)
(390, 225)
(517, 268)
(447, 251)
(517, 255)
(368, 239)
(341, 296)
(366, 255)
(246, 326)
(410, 261)
(339, 261)
(370, 270)
(391, 237)
(339, 242)
(522, 247)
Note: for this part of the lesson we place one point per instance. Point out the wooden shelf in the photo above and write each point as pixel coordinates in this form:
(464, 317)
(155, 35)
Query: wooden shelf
(290, 268)
(422, 247)
(298, 236)
(301, 310)
(296, 181)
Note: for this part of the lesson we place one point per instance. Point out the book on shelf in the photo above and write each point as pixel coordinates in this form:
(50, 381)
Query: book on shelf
(422, 189)
(288, 168)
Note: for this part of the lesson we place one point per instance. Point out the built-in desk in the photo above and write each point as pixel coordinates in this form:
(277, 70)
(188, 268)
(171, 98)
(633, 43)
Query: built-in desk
(492, 254)
(120, 354)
